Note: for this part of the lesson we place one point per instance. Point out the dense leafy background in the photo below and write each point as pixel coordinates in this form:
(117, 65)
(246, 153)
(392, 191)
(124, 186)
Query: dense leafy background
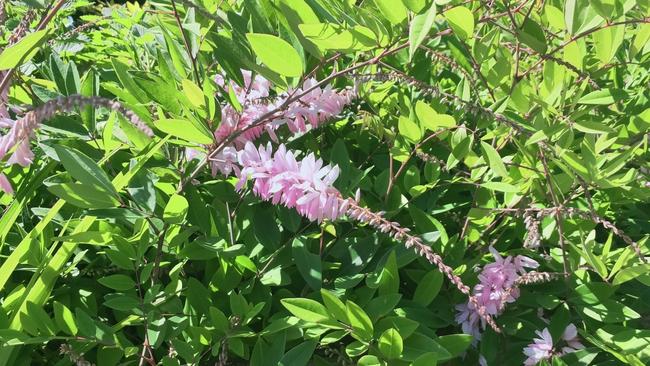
(470, 112)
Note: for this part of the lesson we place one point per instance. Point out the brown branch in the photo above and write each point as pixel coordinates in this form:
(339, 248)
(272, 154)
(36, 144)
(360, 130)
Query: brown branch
(582, 35)
(186, 42)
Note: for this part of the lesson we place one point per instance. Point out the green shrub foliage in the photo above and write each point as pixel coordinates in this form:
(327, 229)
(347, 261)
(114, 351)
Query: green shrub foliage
(324, 182)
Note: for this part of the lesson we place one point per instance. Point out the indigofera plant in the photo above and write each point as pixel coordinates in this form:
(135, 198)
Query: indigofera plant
(324, 182)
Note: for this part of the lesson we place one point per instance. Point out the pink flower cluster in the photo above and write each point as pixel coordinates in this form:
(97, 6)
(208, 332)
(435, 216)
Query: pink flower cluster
(543, 348)
(305, 185)
(18, 140)
(252, 98)
(313, 108)
(495, 289)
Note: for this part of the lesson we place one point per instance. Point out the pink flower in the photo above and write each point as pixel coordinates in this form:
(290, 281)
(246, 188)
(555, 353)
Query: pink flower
(315, 107)
(311, 109)
(570, 336)
(495, 289)
(542, 348)
(247, 125)
(18, 137)
(5, 185)
(305, 185)
(254, 89)
(225, 162)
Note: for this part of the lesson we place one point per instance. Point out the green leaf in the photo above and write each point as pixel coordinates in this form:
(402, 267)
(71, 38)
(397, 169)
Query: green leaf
(176, 209)
(193, 93)
(592, 127)
(122, 302)
(64, 319)
(500, 186)
(356, 348)
(128, 83)
(428, 288)
(416, 6)
(89, 237)
(607, 41)
(299, 355)
(602, 97)
(389, 276)
(630, 273)
(21, 52)
(455, 344)
(266, 228)
(382, 305)
(419, 29)
(185, 130)
(430, 119)
(89, 88)
(83, 168)
(609, 311)
(334, 37)
(334, 305)
(532, 35)
(494, 159)
(409, 129)
(309, 264)
(426, 359)
(575, 162)
(276, 53)
(306, 309)
(461, 21)
(392, 10)
(391, 344)
(43, 321)
(359, 321)
(298, 12)
(608, 9)
(640, 39)
(418, 345)
(83, 195)
(117, 282)
(369, 360)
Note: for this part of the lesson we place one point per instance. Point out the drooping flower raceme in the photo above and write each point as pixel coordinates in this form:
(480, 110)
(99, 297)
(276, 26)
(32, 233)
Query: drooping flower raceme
(305, 185)
(495, 289)
(543, 348)
(18, 139)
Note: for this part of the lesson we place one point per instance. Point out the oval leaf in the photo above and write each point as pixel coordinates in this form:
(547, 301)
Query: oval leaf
(276, 53)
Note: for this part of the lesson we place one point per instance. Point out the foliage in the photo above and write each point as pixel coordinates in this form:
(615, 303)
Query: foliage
(515, 126)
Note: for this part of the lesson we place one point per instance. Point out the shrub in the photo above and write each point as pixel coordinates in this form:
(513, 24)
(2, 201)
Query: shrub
(322, 182)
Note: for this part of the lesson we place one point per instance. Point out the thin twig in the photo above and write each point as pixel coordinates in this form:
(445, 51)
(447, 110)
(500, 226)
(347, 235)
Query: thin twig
(186, 42)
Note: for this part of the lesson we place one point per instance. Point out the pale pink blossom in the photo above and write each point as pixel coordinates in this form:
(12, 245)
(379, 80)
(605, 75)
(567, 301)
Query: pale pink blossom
(315, 107)
(540, 349)
(279, 177)
(543, 348)
(570, 336)
(18, 139)
(225, 162)
(5, 185)
(496, 287)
